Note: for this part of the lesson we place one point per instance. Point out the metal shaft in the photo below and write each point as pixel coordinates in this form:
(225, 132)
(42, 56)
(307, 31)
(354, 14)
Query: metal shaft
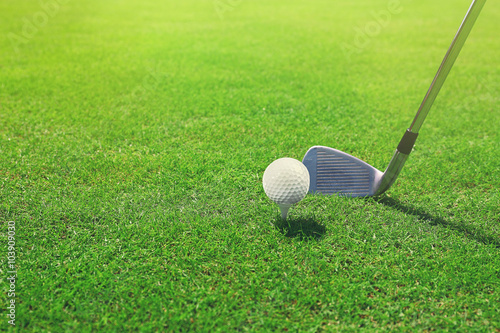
(448, 61)
(406, 144)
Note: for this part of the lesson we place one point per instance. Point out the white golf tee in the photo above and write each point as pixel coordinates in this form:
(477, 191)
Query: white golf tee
(284, 210)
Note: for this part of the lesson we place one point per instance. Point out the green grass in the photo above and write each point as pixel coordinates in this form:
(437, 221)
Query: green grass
(133, 139)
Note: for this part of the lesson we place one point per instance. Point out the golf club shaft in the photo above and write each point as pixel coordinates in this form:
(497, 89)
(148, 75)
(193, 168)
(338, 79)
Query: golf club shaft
(406, 144)
(447, 64)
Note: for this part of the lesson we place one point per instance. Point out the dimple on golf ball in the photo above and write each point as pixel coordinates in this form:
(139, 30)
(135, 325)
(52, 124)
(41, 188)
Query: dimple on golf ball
(286, 181)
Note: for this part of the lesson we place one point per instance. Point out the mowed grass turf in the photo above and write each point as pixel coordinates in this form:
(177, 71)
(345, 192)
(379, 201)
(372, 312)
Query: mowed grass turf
(134, 136)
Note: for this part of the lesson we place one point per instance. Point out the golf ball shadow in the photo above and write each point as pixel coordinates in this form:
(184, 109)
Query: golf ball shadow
(302, 228)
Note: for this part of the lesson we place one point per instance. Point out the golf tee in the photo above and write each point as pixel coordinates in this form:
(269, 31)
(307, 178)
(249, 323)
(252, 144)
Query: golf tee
(284, 210)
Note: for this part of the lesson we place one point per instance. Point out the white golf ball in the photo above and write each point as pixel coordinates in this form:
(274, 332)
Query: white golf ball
(286, 181)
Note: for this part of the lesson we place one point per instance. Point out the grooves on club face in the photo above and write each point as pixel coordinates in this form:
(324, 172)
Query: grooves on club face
(335, 172)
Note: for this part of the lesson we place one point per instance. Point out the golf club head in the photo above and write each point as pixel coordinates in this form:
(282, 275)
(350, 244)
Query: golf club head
(335, 172)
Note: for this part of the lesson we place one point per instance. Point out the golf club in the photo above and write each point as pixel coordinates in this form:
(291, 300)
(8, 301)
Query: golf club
(335, 172)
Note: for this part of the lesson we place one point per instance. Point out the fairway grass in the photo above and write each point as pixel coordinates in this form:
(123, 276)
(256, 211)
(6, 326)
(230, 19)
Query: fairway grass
(133, 140)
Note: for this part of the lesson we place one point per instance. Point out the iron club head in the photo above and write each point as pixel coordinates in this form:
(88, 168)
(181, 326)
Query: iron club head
(334, 172)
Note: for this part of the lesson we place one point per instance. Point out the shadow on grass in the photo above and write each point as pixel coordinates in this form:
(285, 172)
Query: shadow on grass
(467, 230)
(302, 228)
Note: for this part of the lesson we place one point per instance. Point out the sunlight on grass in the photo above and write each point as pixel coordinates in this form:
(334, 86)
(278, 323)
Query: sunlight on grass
(134, 136)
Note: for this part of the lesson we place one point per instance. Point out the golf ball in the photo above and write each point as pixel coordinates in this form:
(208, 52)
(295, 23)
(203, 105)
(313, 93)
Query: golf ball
(286, 181)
